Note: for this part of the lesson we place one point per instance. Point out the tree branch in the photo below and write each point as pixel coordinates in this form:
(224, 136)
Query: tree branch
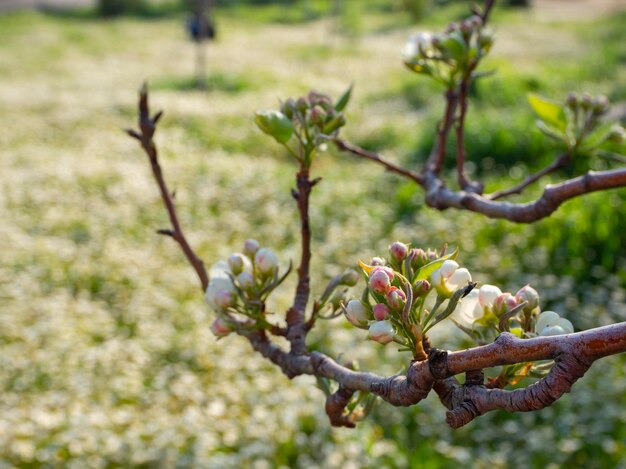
(147, 128)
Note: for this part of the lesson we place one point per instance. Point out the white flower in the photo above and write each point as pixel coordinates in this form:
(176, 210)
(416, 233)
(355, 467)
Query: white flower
(381, 332)
(239, 263)
(488, 294)
(415, 45)
(469, 310)
(550, 323)
(357, 313)
(448, 278)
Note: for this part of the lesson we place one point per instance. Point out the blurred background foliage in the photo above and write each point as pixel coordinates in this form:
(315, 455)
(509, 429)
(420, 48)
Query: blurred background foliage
(106, 359)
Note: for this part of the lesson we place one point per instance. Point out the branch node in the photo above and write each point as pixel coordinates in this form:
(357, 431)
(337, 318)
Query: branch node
(438, 363)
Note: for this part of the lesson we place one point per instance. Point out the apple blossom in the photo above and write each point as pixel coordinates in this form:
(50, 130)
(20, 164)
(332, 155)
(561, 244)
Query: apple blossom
(217, 284)
(468, 310)
(550, 323)
(250, 247)
(449, 277)
(488, 294)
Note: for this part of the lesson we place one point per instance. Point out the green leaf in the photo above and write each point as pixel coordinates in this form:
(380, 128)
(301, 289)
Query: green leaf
(551, 131)
(419, 67)
(548, 111)
(598, 136)
(456, 46)
(344, 99)
(274, 123)
(429, 268)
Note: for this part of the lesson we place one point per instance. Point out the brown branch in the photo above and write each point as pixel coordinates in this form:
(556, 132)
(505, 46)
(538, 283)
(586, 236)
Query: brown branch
(377, 158)
(438, 152)
(441, 198)
(335, 408)
(558, 163)
(147, 128)
(297, 326)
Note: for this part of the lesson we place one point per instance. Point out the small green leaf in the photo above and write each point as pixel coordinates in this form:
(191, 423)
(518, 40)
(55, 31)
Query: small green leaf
(429, 268)
(548, 111)
(274, 123)
(456, 46)
(419, 67)
(551, 131)
(598, 136)
(344, 99)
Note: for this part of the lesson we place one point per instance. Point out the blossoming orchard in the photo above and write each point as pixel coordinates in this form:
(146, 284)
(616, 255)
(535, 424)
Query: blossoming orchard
(396, 298)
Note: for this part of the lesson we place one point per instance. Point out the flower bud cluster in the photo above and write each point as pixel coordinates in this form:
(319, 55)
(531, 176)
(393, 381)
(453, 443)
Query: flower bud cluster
(442, 56)
(239, 286)
(586, 127)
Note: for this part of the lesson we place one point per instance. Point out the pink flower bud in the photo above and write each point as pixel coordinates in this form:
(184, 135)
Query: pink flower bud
(504, 303)
(221, 328)
(381, 312)
(377, 261)
(250, 247)
(379, 281)
(398, 251)
(396, 298)
(381, 332)
(266, 261)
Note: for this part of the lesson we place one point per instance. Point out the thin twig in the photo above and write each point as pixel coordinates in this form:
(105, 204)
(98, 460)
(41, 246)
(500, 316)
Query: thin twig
(558, 163)
(378, 158)
(147, 128)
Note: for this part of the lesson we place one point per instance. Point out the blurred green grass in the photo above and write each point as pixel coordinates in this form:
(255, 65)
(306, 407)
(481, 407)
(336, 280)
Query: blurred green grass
(106, 358)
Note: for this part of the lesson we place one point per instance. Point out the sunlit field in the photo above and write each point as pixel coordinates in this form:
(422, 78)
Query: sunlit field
(106, 357)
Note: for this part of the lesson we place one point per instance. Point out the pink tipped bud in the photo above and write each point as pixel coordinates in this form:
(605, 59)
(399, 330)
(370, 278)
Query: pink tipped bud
(529, 295)
(221, 328)
(250, 247)
(379, 281)
(381, 312)
(504, 303)
(398, 251)
(236, 263)
(245, 281)
(357, 313)
(396, 298)
(378, 261)
(266, 261)
(381, 332)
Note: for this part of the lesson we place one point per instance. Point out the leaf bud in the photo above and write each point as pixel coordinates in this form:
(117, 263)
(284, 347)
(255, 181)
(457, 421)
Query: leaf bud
(572, 101)
(349, 278)
(600, 105)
